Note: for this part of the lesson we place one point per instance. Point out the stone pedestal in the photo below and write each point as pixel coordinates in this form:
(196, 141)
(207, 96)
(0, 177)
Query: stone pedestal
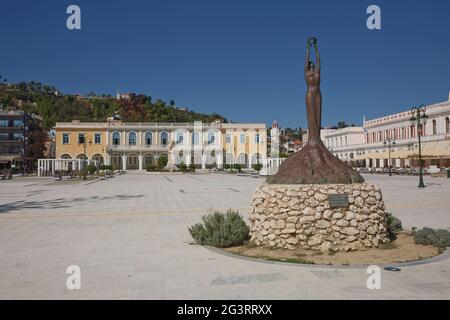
(299, 215)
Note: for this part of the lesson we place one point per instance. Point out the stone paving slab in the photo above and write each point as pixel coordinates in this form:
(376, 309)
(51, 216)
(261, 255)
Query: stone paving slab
(129, 236)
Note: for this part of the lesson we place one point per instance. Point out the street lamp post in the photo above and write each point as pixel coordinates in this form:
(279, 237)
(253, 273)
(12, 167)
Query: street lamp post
(360, 152)
(389, 144)
(83, 142)
(419, 118)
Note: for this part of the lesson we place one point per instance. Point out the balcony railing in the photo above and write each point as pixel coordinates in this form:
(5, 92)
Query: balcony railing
(142, 148)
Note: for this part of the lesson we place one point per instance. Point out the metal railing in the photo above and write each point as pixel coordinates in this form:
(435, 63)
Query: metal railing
(137, 147)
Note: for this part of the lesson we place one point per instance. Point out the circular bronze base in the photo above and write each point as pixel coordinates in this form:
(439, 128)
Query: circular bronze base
(314, 164)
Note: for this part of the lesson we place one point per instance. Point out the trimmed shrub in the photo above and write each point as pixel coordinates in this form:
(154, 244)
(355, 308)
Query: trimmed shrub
(106, 167)
(192, 167)
(151, 167)
(220, 230)
(162, 161)
(437, 237)
(257, 166)
(394, 225)
(91, 168)
(182, 167)
(211, 166)
(237, 167)
(227, 166)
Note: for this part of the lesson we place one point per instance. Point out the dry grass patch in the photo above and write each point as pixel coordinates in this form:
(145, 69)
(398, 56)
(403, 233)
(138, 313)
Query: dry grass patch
(402, 249)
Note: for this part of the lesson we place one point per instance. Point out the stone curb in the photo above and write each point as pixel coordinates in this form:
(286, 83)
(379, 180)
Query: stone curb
(440, 257)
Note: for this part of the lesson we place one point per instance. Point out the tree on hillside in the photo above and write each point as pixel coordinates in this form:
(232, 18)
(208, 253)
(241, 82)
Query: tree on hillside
(134, 108)
(39, 98)
(342, 124)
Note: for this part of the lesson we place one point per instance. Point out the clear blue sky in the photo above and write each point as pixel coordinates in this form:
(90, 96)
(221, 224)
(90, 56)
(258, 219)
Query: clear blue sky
(240, 58)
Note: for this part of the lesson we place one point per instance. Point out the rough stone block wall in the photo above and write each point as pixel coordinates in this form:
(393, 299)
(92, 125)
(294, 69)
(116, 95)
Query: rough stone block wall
(291, 216)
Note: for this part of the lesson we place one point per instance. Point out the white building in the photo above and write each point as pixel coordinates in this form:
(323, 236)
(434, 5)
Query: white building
(403, 137)
(345, 143)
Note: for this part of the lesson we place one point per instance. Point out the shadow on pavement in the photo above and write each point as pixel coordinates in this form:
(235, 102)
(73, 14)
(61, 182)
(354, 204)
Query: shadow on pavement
(61, 202)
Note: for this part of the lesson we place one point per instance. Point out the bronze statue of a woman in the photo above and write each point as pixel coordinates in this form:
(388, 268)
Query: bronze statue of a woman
(314, 164)
(313, 97)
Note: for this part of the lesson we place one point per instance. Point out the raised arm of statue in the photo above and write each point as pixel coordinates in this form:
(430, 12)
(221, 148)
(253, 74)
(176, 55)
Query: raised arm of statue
(317, 57)
(307, 57)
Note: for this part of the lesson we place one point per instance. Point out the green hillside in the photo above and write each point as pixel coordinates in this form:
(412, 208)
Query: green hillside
(43, 100)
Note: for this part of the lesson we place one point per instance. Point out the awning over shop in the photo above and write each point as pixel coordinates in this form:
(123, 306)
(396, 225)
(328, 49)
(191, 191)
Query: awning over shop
(373, 155)
(439, 149)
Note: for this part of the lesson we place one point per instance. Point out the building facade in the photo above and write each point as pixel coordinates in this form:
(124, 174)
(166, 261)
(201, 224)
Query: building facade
(135, 146)
(344, 143)
(393, 140)
(21, 140)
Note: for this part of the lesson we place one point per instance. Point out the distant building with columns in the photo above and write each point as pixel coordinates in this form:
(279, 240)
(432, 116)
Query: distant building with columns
(135, 146)
(344, 143)
(398, 128)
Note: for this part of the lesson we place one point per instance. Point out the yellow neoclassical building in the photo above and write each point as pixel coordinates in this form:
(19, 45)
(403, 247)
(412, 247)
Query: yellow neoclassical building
(134, 146)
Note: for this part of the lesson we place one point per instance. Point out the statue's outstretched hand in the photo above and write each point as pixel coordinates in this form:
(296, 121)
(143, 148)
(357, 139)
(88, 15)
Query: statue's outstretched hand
(311, 41)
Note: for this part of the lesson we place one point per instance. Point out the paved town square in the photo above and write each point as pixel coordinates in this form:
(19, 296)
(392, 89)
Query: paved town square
(129, 237)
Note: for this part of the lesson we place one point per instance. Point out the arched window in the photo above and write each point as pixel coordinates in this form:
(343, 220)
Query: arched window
(447, 125)
(180, 137)
(164, 138)
(243, 159)
(434, 127)
(195, 138)
(116, 138)
(149, 159)
(256, 158)
(421, 129)
(148, 139)
(242, 138)
(98, 158)
(132, 138)
(257, 138)
(211, 137)
(412, 132)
